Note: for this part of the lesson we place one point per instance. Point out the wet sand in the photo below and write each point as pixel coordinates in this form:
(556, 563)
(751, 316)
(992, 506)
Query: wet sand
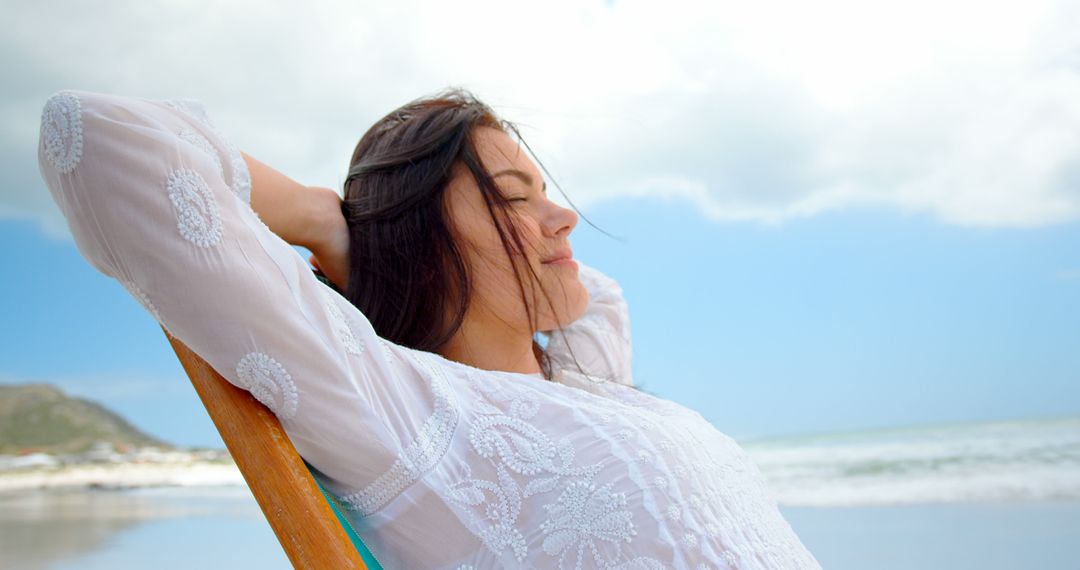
(220, 527)
(955, 536)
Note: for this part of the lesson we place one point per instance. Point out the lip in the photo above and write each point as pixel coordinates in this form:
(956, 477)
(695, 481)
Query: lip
(563, 255)
(562, 262)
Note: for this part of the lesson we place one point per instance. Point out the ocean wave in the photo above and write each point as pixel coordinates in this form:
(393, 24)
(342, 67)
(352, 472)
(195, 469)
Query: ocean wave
(1020, 460)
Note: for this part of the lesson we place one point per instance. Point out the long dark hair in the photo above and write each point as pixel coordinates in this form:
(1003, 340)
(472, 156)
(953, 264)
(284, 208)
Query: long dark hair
(407, 274)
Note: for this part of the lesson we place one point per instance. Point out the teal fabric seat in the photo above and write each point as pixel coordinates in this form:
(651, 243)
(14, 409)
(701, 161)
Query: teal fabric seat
(339, 511)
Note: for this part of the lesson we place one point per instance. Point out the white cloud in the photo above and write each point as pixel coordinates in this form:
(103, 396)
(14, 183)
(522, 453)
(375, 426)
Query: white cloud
(966, 111)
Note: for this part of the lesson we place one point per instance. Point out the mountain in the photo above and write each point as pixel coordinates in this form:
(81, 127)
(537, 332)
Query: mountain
(41, 417)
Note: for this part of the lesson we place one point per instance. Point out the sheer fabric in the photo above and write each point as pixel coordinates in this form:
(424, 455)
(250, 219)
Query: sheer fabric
(441, 465)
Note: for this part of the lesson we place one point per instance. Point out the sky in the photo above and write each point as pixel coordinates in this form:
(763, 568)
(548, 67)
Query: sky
(837, 216)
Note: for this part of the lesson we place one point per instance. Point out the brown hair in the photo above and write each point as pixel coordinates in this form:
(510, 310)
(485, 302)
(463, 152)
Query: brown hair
(407, 274)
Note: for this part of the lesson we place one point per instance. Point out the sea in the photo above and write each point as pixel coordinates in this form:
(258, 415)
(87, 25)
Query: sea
(994, 495)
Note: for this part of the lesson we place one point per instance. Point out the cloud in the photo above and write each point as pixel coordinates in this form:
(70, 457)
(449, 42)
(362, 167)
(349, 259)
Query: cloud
(766, 111)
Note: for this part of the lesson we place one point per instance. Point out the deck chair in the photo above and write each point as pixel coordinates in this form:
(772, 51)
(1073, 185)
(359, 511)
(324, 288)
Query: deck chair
(308, 521)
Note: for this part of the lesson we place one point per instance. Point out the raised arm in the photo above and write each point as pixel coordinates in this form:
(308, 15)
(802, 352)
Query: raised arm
(157, 198)
(308, 216)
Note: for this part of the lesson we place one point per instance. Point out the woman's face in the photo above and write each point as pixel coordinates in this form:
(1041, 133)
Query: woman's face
(544, 228)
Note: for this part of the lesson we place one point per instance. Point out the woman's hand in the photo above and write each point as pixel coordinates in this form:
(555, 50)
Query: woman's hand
(330, 244)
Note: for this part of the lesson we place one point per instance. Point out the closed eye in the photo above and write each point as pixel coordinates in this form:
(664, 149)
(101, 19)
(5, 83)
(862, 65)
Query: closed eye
(528, 180)
(526, 198)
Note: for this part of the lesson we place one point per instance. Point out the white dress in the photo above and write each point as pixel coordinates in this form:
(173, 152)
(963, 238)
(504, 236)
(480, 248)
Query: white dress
(441, 465)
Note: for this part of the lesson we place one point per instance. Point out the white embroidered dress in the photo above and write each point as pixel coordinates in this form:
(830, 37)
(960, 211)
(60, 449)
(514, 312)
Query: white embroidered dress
(442, 465)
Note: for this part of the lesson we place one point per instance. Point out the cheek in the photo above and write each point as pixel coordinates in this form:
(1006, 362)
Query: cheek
(489, 260)
(530, 238)
(480, 244)
(494, 280)
(494, 255)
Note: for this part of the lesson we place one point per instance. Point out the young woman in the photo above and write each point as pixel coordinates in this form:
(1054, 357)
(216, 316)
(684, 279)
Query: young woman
(420, 394)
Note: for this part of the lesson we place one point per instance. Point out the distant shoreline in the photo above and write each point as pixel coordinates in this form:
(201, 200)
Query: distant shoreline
(210, 474)
(122, 476)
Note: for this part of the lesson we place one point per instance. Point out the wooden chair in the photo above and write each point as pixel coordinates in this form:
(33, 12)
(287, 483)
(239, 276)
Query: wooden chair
(309, 522)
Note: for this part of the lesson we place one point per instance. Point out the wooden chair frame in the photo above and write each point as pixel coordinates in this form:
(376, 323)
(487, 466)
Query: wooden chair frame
(294, 504)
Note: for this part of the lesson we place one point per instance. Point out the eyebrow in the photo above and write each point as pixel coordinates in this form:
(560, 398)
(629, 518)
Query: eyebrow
(523, 176)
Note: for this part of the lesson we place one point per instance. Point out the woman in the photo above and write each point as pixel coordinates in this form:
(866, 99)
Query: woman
(421, 396)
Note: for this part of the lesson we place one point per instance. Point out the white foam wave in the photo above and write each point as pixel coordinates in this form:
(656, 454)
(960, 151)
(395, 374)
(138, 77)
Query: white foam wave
(1000, 461)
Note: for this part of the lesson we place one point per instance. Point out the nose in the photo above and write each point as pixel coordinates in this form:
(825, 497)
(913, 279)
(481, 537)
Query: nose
(561, 221)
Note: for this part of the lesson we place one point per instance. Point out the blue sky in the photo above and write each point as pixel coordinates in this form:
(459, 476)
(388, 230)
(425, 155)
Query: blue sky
(857, 215)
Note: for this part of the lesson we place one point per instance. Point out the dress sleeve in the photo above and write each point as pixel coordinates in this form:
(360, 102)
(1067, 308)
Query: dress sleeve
(600, 338)
(157, 199)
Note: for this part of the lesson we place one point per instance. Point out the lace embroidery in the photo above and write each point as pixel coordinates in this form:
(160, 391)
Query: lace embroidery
(141, 297)
(640, 409)
(62, 126)
(198, 141)
(582, 515)
(578, 518)
(501, 534)
(429, 446)
(640, 563)
(342, 326)
(269, 382)
(723, 489)
(690, 540)
(240, 182)
(197, 215)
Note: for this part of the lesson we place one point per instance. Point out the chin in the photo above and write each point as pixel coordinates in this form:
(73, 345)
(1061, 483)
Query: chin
(575, 312)
(576, 306)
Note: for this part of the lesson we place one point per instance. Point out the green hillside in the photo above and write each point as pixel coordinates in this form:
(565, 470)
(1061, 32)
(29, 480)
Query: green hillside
(41, 417)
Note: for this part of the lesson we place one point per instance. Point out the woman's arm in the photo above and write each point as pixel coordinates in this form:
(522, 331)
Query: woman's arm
(308, 216)
(155, 198)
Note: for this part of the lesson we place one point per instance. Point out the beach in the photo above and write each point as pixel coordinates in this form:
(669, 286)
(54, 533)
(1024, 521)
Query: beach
(122, 476)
